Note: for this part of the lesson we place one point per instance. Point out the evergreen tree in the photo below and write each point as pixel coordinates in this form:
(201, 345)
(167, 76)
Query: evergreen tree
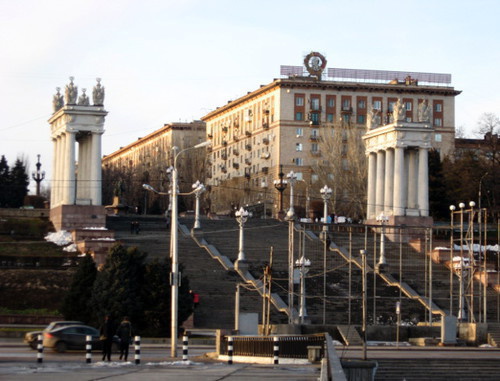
(438, 195)
(4, 182)
(18, 184)
(76, 305)
(117, 289)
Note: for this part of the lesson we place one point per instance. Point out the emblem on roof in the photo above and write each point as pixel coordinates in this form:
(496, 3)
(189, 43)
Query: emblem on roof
(315, 63)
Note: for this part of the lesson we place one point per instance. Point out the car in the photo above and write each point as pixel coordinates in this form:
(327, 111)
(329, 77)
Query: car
(75, 337)
(31, 338)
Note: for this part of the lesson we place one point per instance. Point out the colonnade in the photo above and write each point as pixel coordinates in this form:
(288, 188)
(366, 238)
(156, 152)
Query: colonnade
(398, 181)
(71, 186)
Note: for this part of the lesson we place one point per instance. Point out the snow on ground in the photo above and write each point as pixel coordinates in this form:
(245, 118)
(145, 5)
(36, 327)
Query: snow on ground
(60, 238)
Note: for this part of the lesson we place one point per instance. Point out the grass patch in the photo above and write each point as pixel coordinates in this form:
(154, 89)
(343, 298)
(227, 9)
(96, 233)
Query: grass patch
(34, 248)
(29, 311)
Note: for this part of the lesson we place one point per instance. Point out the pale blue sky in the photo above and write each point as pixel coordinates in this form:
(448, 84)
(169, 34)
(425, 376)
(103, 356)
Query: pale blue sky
(163, 61)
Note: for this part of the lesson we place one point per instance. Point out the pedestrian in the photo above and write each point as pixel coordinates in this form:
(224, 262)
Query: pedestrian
(124, 332)
(132, 227)
(106, 337)
(196, 298)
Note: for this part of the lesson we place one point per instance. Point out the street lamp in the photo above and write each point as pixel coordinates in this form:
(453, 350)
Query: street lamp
(198, 189)
(242, 216)
(303, 264)
(38, 176)
(326, 193)
(174, 279)
(452, 247)
(280, 186)
(292, 178)
(383, 219)
(461, 301)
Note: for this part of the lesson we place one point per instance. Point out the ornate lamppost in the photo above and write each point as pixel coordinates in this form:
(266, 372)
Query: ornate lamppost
(198, 189)
(242, 216)
(303, 264)
(292, 178)
(38, 176)
(326, 193)
(383, 219)
(280, 186)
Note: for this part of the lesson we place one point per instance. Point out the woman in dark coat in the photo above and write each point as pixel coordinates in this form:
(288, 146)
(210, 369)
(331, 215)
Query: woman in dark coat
(106, 337)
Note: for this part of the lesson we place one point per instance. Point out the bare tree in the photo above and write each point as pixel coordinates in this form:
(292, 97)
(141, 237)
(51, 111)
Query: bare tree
(344, 168)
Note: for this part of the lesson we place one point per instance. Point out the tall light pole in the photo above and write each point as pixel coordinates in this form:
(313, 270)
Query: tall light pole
(38, 176)
(452, 247)
(198, 189)
(242, 216)
(461, 301)
(280, 186)
(326, 193)
(303, 264)
(292, 178)
(174, 255)
(382, 218)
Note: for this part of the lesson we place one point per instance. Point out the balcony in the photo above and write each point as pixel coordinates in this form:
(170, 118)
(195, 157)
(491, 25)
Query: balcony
(265, 155)
(235, 137)
(265, 125)
(224, 143)
(224, 156)
(248, 133)
(315, 153)
(224, 129)
(248, 162)
(223, 169)
(265, 141)
(236, 165)
(265, 170)
(236, 152)
(248, 147)
(314, 138)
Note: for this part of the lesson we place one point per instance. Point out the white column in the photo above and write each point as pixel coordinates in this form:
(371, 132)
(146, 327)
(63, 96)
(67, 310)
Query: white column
(60, 169)
(399, 185)
(69, 169)
(96, 174)
(412, 179)
(85, 148)
(379, 198)
(54, 173)
(372, 168)
(389, 182)
(423, 182)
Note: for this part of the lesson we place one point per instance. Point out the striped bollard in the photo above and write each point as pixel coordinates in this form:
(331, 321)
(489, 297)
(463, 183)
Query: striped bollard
(88, 349)
(184, 348)
(137, 344)
(230, 350)
(276, 350)
(39, 347)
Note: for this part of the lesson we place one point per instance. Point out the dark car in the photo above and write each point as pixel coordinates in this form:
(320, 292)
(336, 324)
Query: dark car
(74, 337)
(31, 338)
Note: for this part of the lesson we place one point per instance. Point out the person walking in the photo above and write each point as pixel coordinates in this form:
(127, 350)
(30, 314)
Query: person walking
(106, 336)
(124, 332)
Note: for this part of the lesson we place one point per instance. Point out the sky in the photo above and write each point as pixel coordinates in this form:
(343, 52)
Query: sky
(165, 61)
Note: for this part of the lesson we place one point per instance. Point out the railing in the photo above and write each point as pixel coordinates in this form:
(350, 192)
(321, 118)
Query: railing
(262, 346)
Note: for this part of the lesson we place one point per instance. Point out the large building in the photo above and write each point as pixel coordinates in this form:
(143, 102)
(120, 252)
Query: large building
(281, 125)
(146, 161)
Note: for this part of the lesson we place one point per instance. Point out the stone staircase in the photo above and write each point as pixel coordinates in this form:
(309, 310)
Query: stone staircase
(437, 369)
(494, 334)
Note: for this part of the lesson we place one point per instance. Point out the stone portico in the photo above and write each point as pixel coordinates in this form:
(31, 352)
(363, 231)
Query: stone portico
(398, 178)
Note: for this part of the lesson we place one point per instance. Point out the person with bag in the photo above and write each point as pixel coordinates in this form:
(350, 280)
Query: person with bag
(106, 336)
(124, 332)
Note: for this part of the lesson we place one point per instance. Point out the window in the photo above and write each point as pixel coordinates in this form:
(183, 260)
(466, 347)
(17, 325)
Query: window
(439, 107)
(299, 115)
(298, 161)
(331, 102)
(377, 105)
(390, 106)
(315, 132)
(299, 131)
(314, 147)
(361, 119)
(346, 104)
(298, 147)
(438, 122)
(315, 104)
(299, 101)
(329, 118)
(408, 106)
(299, 176)
(315, 119)
(314, 178)
(438, 137)
(346, 118)
(362, 104)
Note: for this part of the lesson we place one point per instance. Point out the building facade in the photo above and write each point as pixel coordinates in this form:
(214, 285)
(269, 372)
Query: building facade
(282, 124)
(146, 161)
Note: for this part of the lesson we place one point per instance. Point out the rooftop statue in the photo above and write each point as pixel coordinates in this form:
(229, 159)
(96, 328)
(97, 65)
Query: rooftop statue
(57, 100)
(98, 93)
(83, 100)
(372, 119)
(424, 112)
(399, 112)
(71, 93)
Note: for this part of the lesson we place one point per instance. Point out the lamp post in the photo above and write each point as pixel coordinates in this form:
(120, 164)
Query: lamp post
(382, 218)
(452, 247)
(198, 189)
(461, 304)
(242, 216)
(280, 186)
(303, 264)
(38, 176)
(326, 193)
(174, 255)
(292, 178)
